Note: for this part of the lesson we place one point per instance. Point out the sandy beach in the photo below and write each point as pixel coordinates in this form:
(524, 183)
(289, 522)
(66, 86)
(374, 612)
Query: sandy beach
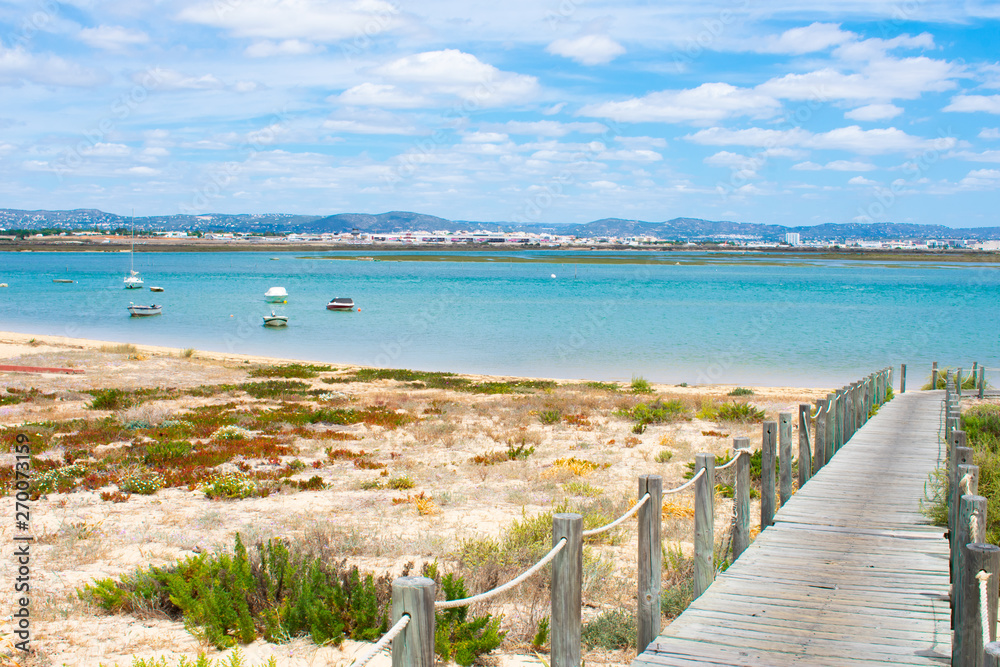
(443, 466)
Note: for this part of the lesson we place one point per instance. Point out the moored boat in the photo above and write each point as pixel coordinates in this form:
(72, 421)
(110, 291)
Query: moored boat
(155, 289)
(144, 311)
(340, 303)
(273, 320)
(276, 295)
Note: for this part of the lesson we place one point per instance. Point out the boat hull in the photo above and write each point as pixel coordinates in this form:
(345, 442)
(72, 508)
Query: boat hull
(340, 303)
(275, 322)
(144, 311)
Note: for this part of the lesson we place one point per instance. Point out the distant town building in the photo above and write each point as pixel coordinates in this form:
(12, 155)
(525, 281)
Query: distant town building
(792, 238)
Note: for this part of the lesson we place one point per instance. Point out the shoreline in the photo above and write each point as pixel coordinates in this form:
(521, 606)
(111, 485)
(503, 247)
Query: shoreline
(115, 244)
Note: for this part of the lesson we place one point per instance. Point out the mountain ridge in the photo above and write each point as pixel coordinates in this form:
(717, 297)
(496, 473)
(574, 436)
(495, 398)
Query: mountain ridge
(391, 222)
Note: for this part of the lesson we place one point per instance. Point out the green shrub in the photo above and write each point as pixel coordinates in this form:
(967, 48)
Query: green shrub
(640, 385)
(550, 416)
(58, 479)
(542, 635)
(110, 399)
(166, 452)
(275, 388)
(655, 413)
(741, 391)
(739, 412)
(458, 638)
(289, 371)
(664, 455)
(400, 483)
(612, 630)
(605, 386)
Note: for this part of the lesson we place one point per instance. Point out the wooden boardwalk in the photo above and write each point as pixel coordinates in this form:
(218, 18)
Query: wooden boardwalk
(850, 574)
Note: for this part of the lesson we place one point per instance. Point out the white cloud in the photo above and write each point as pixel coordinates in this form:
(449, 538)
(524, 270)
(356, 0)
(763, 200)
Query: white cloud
(807, 39)
(287, 47)
(972, 103)
(807, 166)
(852, 138)
(981, 179)
(101, 149)
(985, 156)
(883, 79)
(989, 133)
(315, 20)
(603, 185)
(548, 128)
(875, 48)
(847, 165)
(861, 180)
(588, 49)
(112, 37)
(484, 137)
(874, 112)
(380, 95)
(631, 155)
(168, 79)
(453, 72)
(361, 127)
(707, 102)
(732, 161)
(755, 136)
(18, 66)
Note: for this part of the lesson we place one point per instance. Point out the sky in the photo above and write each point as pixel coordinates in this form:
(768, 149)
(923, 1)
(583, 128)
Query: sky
(791, 112)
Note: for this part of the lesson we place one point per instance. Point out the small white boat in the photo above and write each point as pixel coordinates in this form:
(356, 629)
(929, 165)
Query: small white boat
(155, 289)
(61, 280)
(276, 295)
(144, 311)
(340, 303)
(133, 281)
(273, 320)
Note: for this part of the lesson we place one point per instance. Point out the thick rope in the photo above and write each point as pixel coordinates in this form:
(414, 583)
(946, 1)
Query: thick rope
(450, 604)
(686, 484)
(984, 605)
(963, 484)
(623, 517)
(382, 643)
(974, 526)
(736, 457)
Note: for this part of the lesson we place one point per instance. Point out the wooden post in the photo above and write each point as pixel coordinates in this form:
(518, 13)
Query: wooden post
(741, 530)
(982, 381)
(414, 596)
(968, 506)
(902, 378)
(992, 655)
(841, 412)
(784, 457)
(958, 456)
(831, 426)
(958, 383)
(704, 523)
(968, 625)
(805, 451)
(650, 560)
(819, 446)
(567, 583)
(934, 374)
(767, 459)
(852, 417)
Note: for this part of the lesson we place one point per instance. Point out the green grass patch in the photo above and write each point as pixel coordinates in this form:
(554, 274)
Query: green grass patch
(275, 388)
(657, 412)
(289, 371)
(741, 391)
(640, 385)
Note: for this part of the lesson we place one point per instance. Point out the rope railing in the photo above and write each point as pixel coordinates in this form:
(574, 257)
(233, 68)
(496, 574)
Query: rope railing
(546, 559)
(382, 643)
(686, 484)
(732, 461)
(605, 528)
(983, 577)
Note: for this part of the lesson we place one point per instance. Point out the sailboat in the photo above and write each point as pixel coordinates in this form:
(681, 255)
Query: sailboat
(133, 280)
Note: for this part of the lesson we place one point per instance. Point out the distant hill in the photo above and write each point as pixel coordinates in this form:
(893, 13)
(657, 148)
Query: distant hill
(677, 229)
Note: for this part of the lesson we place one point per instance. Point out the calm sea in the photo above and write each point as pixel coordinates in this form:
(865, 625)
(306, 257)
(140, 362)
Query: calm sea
(686, 317)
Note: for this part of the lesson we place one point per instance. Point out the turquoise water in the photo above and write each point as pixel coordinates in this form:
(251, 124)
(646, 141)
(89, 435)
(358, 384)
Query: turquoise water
(708, 318)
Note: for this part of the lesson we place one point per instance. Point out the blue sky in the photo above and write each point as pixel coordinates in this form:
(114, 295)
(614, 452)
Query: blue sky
(793, 112)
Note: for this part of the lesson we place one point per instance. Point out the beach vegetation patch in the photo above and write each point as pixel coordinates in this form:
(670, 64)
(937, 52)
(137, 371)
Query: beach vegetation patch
(456, 636)
(160, 453)
(514, 452)
(581, 488)
(58, 480)
(232, 486)
(657, 412)
(969, 381)
(550, 417)
(741, 391)
(140, 480)
(111, 399)
(373, 416)
(612, 630)
(575, 466)
(401, 483)
(640, 385)
(982, 427)
(739, 412)
(678, 582)
(604, 386)
(289, 371)
(664, 456)
(275, 388)
(423, 503)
